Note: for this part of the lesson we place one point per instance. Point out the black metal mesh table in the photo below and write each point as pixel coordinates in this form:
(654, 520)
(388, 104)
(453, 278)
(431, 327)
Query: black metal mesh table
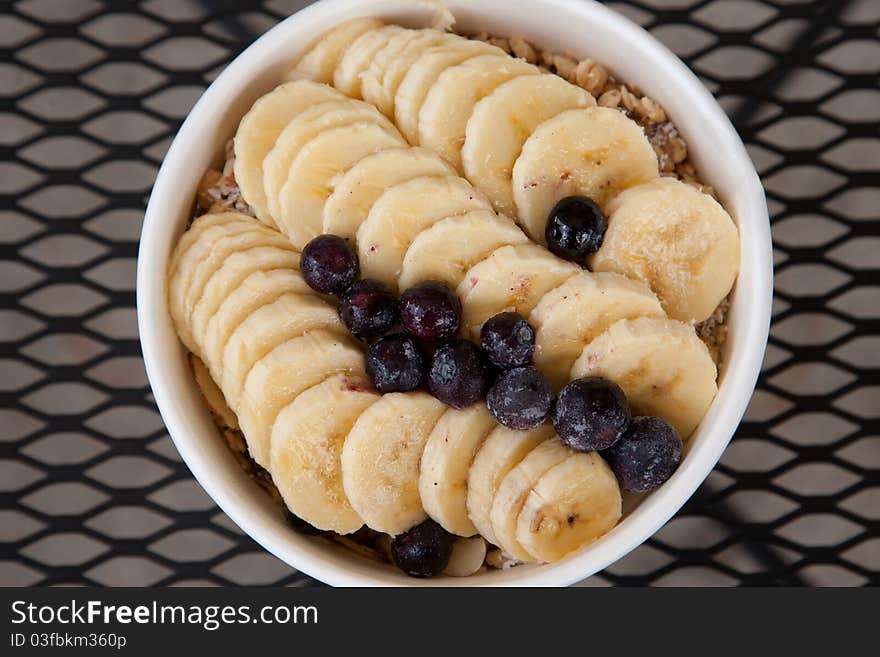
(92, 490)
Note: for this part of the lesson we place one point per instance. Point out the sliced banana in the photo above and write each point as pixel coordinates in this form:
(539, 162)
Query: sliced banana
(359, 56)
(258, 289)
(501, 123)
(306, 449)
(380, 460)
(194, 247)
(569, 317)
(356, 190)
(382, 79)
(259, 129)
(404, 211)
(221, 250)
(468, 556)
(502, 450)
(307, 125)
(232, 273)
(513, 278)
(661, 365)
(447, 458)
(309, 179)
(595, 152)
(450, 102)
(276, 379)
(677, 239)
(212, 394)
(320, 60)
(572, 504)
(474, 235)
(515, 487)
(423, 73)
(193, 234)
(289, 316)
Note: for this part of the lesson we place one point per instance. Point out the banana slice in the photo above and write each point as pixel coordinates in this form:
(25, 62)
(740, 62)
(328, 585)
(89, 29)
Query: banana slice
(275, 381)
(475, 235)
(380, 81)
(211, 254)
(306, 449)
(448, 455)
(501, 123)
(193, 248)
(595, 152)
(231, 274)
(193, 234)
(502, 450)
(289, 316)
(678, 240)
(258, 289)
(572, 504)
(380, 460)
(212, 394)
(404, 211)
(320, 60)
(359, 56)
(468, 556)
(571, 316)
(222, 249)
(661, 365)
(309, 179)
(512, 278)
(307, 125)
(423, 73)
(515, 487)
(450, 102)
(259, 129)
(356, 190)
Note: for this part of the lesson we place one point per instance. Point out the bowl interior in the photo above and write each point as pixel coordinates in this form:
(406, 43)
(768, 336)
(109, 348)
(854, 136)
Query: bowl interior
(583, 29)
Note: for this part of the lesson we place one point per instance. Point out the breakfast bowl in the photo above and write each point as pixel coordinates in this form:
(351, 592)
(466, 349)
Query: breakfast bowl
(581, 28)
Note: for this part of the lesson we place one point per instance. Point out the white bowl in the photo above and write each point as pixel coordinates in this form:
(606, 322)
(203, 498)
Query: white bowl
(581, 28)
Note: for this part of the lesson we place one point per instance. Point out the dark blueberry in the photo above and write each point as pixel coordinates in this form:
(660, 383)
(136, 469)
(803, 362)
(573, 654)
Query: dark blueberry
(301, 525)
(423, 551)
(646, 456)
(521, 398)
(368, 308)
(329, 265)
(575, 228)
(430, 311)
(508, 340)
(395, 363)
(457, 375)
(591, 413)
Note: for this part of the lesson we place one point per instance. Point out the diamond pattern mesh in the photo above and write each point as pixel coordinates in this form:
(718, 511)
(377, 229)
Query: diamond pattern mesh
(92, 490)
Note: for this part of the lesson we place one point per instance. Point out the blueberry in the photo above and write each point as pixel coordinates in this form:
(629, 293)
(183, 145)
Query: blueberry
(457, 374)
(300, 525)
(423, 551)
(646, 456)
(329, 265)
(576, 228)
(430, 311)
(521, 398)
(591, 413)
(508, 340)
(368, 308)
(395, 363)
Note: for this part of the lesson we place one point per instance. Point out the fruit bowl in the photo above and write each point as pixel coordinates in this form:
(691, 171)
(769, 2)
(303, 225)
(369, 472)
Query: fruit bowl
(583, 29)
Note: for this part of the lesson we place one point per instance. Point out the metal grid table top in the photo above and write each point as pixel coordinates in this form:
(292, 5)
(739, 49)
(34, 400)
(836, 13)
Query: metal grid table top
(93, 492)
